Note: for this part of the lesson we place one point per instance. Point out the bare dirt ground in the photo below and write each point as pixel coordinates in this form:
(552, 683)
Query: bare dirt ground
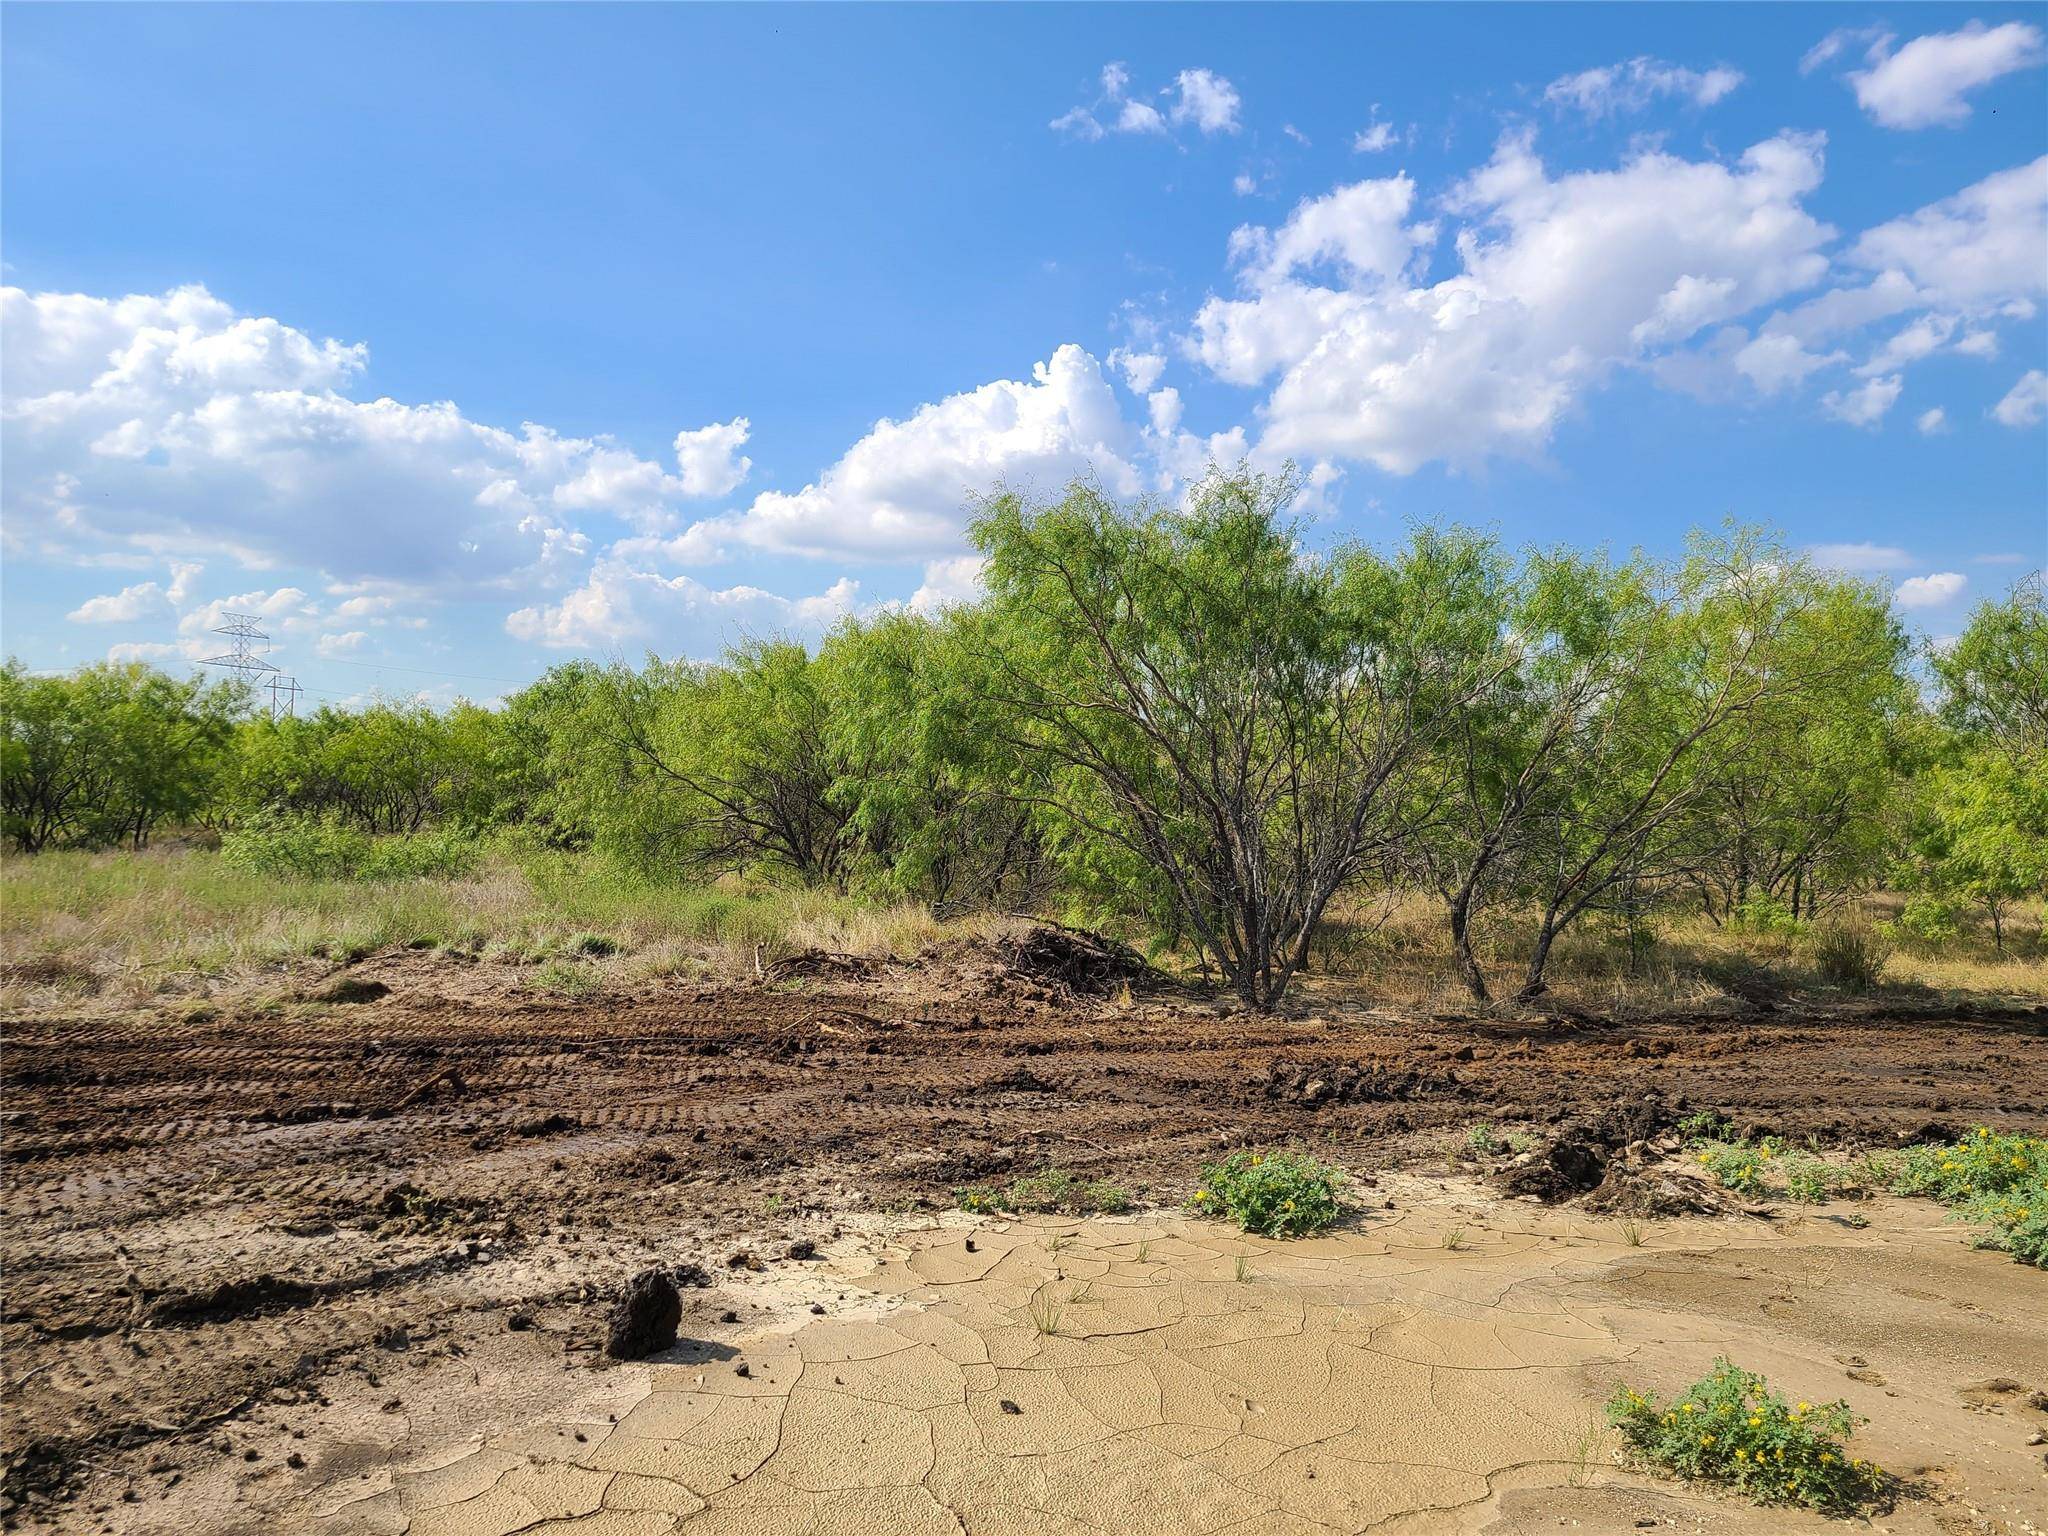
(263, 1267)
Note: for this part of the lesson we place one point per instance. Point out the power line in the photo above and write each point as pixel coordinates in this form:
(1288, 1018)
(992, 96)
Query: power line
(376, 666)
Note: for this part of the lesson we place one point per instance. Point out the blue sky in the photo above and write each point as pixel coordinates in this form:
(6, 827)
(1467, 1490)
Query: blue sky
(461, 340)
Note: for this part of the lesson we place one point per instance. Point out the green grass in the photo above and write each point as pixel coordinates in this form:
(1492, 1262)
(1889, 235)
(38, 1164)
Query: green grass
(1272, 1194)
(1730, 1428)
(129, 926)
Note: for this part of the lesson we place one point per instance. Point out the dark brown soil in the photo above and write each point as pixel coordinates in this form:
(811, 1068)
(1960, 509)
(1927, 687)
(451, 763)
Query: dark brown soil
(207, 1217)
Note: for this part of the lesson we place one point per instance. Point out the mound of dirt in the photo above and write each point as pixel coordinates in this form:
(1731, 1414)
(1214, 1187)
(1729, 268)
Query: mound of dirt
(1636, 1185)
(1046, 956)
(1313, 1084)
(1579, 1153)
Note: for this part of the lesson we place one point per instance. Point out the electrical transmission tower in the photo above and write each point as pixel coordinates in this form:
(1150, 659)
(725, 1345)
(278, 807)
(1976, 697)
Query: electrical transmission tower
(247, 659)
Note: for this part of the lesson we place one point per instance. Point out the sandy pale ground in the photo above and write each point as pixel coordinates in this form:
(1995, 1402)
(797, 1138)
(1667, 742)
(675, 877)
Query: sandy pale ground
(1124, 1377)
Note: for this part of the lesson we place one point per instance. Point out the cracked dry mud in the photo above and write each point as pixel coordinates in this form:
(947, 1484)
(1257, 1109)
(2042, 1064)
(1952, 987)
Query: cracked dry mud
(1373, 1379)
(445, 1193)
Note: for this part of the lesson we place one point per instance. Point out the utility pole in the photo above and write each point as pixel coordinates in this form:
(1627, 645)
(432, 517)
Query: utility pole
(247, 659)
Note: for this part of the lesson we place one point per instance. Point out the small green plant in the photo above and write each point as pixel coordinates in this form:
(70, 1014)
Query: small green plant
(1997, 1180)
(1048, 1190)
(1273, 1194)
(1241, 1271)
(1808, 1180)
(1454, 1239)
(1739, 1165)
(1145, 1251)
(1585, 1451)
(1046, 1310)
(1481, 1139)
(1730, 1428)
(1056, 1242)
(1632, 1233)
(1706, 1125)
(1851, 956)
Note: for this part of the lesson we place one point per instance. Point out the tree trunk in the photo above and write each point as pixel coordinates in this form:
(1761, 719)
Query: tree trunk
(1533, 984)
(1461, 947)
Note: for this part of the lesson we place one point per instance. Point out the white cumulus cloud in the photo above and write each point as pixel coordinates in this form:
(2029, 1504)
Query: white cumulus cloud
(1207, 100)
(1865, 405)
(903, 491)
(676, 615)
(1559, 280)
(1984, 247)
(2025, 403)
(142, 601)
(1199, 99)
(171, 424)
(1930, 591)
(710, 460)
(1923, 84)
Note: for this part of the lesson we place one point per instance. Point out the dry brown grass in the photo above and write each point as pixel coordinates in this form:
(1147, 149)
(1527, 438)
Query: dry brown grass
(1400, 952)
(112, 930)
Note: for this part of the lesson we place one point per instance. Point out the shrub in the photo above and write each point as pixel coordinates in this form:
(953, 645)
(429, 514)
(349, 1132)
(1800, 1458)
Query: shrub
(1729, 1427)
(2015, 1222)
(1272, 1194)
(1999, 1181)
(316, 848)
(1930, 919)
(1765, 915)
(1850, 955)
(1048, 1190)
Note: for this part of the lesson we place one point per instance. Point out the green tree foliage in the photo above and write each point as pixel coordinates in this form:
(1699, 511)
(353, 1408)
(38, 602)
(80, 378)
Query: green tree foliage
(1212, 723)
(385, 768)
(1978, 829)
(928, 793)
(1804, 809)
(108, 753)
(1994, 679)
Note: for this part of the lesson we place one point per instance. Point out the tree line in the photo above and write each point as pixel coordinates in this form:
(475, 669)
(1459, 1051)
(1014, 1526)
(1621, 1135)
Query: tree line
(1187, 718)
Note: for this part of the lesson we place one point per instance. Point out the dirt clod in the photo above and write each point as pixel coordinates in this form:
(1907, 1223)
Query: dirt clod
(645, 1318)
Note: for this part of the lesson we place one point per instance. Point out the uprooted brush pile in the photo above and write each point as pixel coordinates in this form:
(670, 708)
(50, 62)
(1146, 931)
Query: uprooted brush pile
(1042, 960)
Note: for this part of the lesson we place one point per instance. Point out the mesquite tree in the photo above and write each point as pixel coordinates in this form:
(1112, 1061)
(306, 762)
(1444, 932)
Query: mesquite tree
(1208, 715)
